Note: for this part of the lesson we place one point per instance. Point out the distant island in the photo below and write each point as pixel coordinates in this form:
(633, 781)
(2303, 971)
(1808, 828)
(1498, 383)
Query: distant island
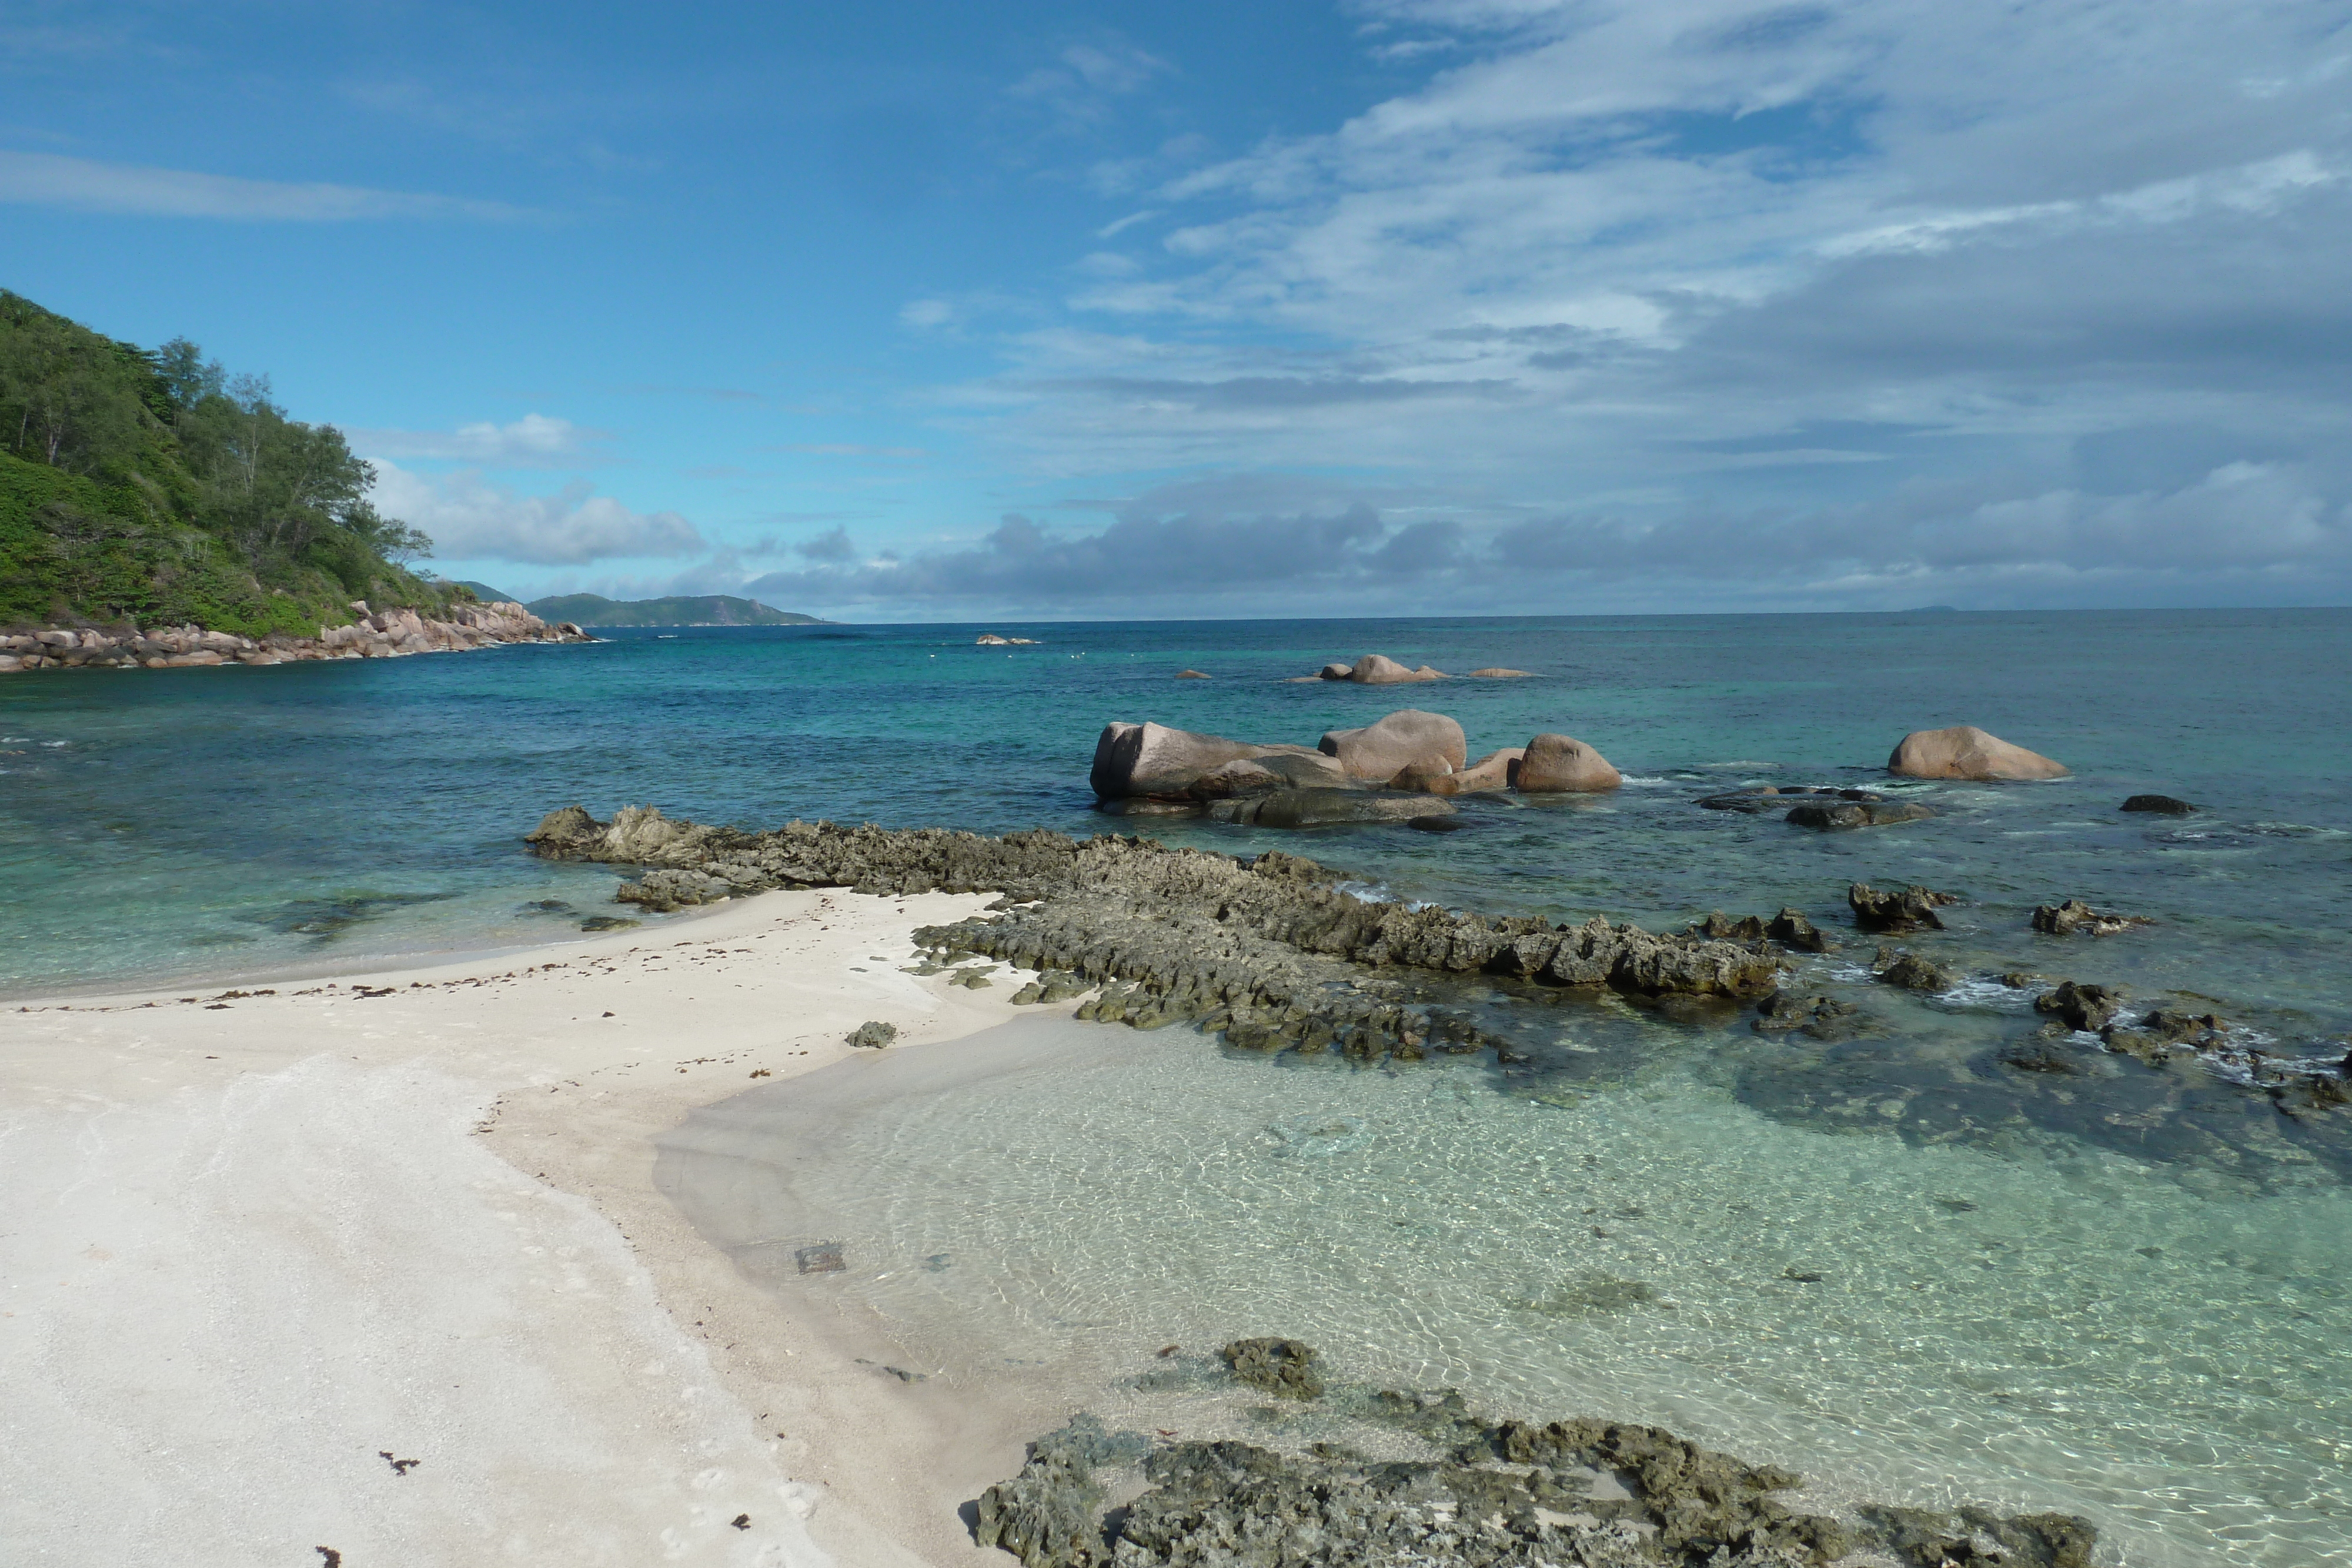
(709, 610)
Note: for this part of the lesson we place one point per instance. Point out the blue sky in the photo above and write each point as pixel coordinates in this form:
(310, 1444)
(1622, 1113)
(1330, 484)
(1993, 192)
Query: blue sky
(910, 311)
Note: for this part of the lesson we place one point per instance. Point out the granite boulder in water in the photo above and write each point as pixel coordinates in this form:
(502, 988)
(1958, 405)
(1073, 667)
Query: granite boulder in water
(1560, 765)
(1964, 751)
(1379, 751)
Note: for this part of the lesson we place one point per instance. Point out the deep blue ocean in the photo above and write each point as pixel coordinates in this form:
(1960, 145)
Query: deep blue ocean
(2115, 1286)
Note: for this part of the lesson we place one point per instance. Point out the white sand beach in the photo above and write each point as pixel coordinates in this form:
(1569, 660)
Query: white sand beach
(261, 1251)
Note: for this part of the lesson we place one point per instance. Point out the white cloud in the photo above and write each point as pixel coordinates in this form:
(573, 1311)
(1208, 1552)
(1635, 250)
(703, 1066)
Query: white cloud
(531, 441)
(471, 519)
(49, 179)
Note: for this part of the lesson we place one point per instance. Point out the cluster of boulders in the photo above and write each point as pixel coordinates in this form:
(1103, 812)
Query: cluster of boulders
(991, 639)
(1491, 1494)
(374, 634)
(1380, 669)
(1399, 768)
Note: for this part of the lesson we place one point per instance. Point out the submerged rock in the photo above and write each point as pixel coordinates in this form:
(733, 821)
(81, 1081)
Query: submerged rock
(1886, 913)
(1282, 1366)
(2076, 917)
(1765, 798)
(1914, 973)
(1856, 814)
(1324, 809)
(2089, 1008)
(1964, 751)
(2163, 805)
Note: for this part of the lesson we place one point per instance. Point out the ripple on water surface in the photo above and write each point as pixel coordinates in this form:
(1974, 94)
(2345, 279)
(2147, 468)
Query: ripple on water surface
(1930, 1324)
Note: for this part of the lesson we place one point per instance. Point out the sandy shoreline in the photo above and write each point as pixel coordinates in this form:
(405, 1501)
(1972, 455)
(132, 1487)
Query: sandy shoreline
(257, 1243)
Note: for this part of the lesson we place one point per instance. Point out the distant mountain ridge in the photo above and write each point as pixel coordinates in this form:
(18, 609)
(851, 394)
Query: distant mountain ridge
(708, 609)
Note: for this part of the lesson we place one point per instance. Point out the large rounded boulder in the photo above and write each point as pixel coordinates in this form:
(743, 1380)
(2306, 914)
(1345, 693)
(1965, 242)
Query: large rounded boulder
(1380, 669)
(1134, 760)
(1964, 751)
(1561, 765)
(1379, 751)
(1434, 776)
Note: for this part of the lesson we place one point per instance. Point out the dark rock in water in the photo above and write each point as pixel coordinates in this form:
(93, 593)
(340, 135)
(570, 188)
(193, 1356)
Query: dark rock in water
(1793, 930)
(1819, 1018)
(2089, 1008)
(1325, 809)
(1914, 973)
(1790, 928)
(1435, 824)
(608, 923)
(1772, 798)
(1191, 676)
(1854, 814)
(823, 1258)
(873, 1034)
(2163, 1034)
(2164, 805)
(2038, 1055)
(1282, 1366)
(2076, 917)
(1887, 913)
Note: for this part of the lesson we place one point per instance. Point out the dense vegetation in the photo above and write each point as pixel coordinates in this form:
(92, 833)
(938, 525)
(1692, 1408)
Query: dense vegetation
(147, 487)
(706, 610)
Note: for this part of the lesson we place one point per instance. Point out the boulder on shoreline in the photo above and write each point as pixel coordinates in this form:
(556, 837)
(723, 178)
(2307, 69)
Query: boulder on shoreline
(1379, 751)
(1965, 751)
(1560, 764)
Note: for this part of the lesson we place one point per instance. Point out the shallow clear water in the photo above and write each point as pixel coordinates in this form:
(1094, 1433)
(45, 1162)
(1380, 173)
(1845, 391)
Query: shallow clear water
(1032, 1212)
(2140, 1316)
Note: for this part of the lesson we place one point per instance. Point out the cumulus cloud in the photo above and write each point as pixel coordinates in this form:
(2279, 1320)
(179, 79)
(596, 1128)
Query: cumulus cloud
(532, 441)
(471, 519)
(1856, 297)
(49, 179)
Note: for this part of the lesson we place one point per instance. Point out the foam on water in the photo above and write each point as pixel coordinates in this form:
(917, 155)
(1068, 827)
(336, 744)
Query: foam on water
(2062, 1329)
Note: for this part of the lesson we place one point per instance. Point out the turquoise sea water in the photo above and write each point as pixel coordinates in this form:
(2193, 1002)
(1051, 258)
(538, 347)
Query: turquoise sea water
(2120, 1288)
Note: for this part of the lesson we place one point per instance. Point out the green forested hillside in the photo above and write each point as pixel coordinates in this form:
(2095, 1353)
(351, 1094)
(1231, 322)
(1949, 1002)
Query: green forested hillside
(146, 486)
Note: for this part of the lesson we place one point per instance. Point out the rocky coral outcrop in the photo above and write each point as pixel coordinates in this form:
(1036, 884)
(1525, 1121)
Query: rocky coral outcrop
(374, 634)
(1911, 908)
(1269, 952)
(1492, 1494)
(2074, 917)
(1762, 797)
(1964, 751)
